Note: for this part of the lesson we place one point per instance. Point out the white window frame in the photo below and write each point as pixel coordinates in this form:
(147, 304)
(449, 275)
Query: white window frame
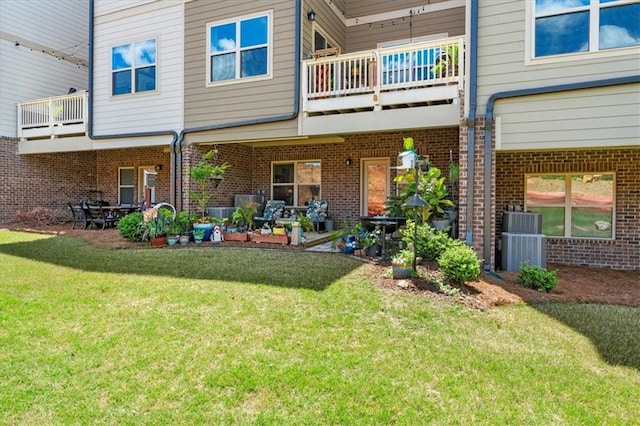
(132, 186)
(133, 69)
(568, 206)
(593, 52)
(295, 182)
(238, 78)
(316, 28)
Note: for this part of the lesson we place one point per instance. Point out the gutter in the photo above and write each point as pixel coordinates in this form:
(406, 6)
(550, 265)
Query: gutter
(178, 137)
(471, 126)
(488, 136)
(176, 144)
(90, 133)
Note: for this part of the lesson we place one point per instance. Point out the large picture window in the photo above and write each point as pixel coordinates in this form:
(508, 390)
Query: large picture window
(296, 183)
(133, 67)
(125, 185)
(572, 26)
(239, 49)
(573, 205)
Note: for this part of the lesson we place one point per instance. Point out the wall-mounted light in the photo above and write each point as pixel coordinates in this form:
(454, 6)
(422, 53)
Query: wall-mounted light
(349, 161)
(158, 167)
(311, 15)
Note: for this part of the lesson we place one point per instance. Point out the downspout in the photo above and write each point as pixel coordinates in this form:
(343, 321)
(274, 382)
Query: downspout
(471, 127)
(488, 133)
(90, 133)
(177, 143)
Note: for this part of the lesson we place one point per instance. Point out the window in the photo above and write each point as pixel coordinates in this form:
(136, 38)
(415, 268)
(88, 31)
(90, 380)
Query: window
(296, 182)
(572, 26)
(133, 67)
(125, 185)
(573, 205)
(239, 49)
(320, 40)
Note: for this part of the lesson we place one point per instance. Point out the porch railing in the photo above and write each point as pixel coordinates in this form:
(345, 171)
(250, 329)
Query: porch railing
(417, 65)
(42, 117)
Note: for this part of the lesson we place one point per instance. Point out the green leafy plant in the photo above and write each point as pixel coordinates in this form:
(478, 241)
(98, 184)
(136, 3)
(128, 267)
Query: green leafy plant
(447, 63)
(403, 258)
(536, 277)
(431, 243)
(242, 217)
(131, 227)
(305, 223)
(184, 220)
(459, 264)
(432, 189)
(202, 173)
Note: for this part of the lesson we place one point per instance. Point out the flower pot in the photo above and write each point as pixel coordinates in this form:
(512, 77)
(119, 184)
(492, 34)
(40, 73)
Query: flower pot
(172, 240)
(184, 240)
(401, 271)
(235, 236)
(207, 227)
(440, 224)
(159, 241)
(373, 250)
(349, 244)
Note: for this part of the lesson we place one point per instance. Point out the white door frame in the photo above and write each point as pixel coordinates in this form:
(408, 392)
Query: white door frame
(364, 163)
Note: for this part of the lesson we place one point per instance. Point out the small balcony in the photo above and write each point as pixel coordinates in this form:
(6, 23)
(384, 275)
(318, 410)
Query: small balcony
(407, 76)
(53, 117)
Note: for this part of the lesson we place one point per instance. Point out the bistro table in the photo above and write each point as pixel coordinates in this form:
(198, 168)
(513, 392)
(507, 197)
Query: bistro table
(121, 211)
(384, 223)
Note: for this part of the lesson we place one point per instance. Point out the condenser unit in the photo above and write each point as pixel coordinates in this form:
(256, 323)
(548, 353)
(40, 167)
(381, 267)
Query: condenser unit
(522, 222)
(518, 248)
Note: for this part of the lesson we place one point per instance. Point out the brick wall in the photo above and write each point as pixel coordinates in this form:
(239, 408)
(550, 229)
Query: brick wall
(110, 160)
(621, 253)
(44, 180)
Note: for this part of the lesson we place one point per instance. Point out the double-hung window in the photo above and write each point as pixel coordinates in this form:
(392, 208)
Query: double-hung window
(239, 49)
(296, 182)
(125, 185)
(566, 27)
(133, 67)
(573, 204)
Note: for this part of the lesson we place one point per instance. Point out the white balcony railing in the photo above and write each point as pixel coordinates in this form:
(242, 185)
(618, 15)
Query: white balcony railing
(52, 117)
(374, 73)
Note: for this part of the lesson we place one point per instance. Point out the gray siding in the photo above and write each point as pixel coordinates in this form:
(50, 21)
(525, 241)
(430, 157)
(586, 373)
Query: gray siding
(221, 105)
(450, 21)
(590, 118)
(501, 56)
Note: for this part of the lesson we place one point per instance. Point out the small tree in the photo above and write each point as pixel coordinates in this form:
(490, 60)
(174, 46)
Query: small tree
(203, 173)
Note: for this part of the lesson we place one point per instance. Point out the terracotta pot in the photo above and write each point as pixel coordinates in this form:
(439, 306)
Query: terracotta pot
(159, 241)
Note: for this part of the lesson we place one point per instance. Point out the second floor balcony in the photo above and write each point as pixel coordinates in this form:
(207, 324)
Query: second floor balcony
(52, 117)
(407, 76)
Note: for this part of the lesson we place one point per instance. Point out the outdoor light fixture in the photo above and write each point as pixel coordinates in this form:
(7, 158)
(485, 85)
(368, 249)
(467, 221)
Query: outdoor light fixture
(158, 167)
(311, 15)
(349, 161)
(415, 202)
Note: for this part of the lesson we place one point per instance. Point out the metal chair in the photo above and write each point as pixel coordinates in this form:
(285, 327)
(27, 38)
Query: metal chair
(273, 209)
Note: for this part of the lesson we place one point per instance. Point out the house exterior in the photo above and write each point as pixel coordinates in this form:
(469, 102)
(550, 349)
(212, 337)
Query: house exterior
(312, 99)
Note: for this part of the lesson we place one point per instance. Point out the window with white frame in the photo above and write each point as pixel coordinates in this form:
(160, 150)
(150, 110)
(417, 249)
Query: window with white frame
(296, 182)
(573, 204)
(126, 187)
(133, 67)
(573, 26)
(240, 48)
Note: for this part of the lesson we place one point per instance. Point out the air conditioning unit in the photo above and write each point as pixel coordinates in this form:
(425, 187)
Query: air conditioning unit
(518, 248)
(240, 199)
(220, 212)
(522, 222)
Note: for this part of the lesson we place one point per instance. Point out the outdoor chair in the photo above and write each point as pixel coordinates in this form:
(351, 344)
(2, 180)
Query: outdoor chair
(317, 212)
(99, 217)
(78, 215)
(273, 209)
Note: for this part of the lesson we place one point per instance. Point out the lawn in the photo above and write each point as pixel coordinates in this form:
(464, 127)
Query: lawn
(248, 336)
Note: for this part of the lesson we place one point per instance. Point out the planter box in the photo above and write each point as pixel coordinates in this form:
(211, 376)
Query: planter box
(235, 236)
(270, 239)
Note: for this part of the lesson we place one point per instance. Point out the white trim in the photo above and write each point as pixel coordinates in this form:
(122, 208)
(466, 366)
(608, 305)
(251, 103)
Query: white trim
(132, 186)
(133, 69)
(236, 21)
(404, 41)
(404, 13)
(315, 27)
(295, 182)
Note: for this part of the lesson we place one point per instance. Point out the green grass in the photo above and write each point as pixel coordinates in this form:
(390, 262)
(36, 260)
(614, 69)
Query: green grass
(232, 336)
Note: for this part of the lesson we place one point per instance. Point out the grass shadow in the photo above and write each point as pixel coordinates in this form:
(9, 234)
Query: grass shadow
(294, 269)
(613, 330)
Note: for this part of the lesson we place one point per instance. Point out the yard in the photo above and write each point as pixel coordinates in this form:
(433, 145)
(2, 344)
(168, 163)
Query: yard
(258, 336)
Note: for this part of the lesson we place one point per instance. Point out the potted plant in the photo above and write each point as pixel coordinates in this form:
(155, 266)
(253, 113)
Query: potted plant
(370, 242)
(242, 218)
(205, 174)
(198, 235)
(156, 227)
(173, 234)
(402, 264)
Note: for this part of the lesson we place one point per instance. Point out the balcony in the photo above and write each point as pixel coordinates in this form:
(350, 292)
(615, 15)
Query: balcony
(388, 84)
(53, 117)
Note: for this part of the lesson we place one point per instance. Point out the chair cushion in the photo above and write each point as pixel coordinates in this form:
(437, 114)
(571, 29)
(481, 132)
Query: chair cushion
(317, 210)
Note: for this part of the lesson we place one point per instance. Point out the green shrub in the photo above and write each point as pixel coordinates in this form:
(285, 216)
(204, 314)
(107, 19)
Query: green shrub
(130, 226)
(431, 243)
(459, 264)
(537, 278)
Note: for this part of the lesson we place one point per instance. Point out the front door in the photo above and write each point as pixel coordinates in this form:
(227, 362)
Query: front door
(375, 185)
(147, 184)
